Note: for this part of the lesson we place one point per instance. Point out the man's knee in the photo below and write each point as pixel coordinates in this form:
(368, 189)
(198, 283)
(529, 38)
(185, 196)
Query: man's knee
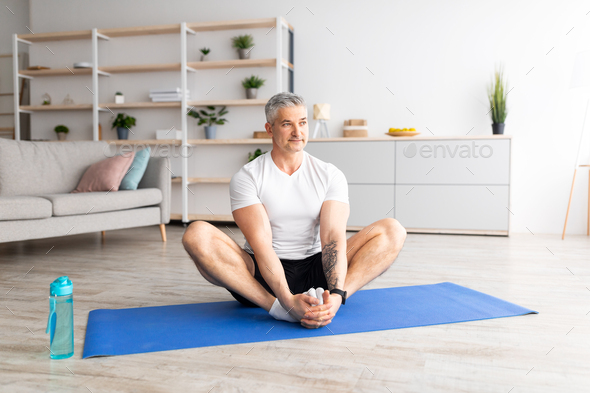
(197, 236)
(394, 231)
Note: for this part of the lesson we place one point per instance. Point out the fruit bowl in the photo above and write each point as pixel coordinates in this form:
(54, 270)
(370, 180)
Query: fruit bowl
(402, 132)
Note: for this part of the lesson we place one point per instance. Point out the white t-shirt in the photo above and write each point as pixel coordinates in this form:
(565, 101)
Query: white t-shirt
(293, 203)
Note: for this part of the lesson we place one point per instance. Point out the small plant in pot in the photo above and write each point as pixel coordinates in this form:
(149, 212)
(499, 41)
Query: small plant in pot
(61, 131)
(252, 84)
(211, 119)
(123, 123)
(204, 53)
(244, 44)
(119, 98)
(497, 97)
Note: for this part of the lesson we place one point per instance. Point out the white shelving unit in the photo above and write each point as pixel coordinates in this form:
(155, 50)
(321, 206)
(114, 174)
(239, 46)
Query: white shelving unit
(184, 67)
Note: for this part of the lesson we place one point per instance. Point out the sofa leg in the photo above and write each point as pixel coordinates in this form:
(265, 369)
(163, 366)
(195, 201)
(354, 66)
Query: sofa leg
(163, 232)
(104, 235)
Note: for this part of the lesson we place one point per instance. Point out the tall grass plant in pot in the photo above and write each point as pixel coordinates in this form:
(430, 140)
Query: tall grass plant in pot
(497, 96)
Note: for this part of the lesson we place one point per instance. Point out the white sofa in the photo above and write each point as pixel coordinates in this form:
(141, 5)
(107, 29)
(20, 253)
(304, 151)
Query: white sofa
(36, 179)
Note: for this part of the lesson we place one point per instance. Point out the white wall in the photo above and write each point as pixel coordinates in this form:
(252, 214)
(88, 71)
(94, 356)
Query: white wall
(436, 57)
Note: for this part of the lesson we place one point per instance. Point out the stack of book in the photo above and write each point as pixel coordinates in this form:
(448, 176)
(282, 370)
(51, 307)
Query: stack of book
(163, 95)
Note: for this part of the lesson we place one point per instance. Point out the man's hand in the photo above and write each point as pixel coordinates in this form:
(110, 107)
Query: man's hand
(301, 303)
(317, 316)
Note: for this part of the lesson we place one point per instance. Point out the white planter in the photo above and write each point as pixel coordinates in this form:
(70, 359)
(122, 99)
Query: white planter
(119, 99)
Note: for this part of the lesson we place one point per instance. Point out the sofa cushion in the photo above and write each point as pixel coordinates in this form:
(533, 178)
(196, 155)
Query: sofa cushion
(39, 168)
(24, 208)
(105, 175)
(96, 202)
(135, 173)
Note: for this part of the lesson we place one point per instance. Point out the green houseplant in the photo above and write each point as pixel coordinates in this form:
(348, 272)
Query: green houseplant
(243, 43)
(204, 52)
(252, 84)
(123, 123)
(61, 131)
(211, 119)
(255, 155)
(497, 96)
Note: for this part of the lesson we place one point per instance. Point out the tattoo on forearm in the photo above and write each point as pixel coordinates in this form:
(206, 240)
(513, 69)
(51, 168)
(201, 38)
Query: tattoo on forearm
(329, 254)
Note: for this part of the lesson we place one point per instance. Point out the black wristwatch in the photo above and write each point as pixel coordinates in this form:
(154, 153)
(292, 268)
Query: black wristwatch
(341, 293)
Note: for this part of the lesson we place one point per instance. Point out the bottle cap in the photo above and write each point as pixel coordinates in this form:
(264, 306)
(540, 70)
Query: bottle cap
(61, 287)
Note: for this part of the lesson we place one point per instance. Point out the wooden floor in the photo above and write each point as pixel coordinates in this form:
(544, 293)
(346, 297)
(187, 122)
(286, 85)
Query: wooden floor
(548, 352)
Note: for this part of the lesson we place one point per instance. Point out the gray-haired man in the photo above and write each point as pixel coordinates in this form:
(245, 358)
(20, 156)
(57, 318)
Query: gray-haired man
(292, 209)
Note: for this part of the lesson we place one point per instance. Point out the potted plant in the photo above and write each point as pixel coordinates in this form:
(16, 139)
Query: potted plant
(61, 132)
(211, 119)
(243, 43)
(497, 97)
(204, 52)
(255, 155)
(252, 84)
(119, 98)
(123, 124)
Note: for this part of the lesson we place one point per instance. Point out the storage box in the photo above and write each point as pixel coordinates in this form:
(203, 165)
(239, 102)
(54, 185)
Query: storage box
(167, 134)
(355, 128)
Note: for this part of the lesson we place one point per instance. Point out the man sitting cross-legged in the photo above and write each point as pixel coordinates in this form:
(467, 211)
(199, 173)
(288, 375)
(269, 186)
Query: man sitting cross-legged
(292, 209)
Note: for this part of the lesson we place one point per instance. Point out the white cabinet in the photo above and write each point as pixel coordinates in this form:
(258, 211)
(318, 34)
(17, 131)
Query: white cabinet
(444, 161)
(441, 185)
(370, 162)
(369, 203)
(456, 208)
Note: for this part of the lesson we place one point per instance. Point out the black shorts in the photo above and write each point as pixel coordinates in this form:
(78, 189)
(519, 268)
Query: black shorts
(301, 275)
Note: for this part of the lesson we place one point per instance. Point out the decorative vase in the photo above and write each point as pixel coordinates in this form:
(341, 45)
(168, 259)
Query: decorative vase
(244, 53)
(210, 132)
(204, 57)
(122, 132)
(119, 99)
(251, 93)
(61, 136)
(498, 128)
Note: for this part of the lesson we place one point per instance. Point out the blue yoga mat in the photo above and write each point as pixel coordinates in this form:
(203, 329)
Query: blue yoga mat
(151, 329)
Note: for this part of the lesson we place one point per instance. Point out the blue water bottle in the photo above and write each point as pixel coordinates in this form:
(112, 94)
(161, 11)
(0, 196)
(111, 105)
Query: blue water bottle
(60, 324)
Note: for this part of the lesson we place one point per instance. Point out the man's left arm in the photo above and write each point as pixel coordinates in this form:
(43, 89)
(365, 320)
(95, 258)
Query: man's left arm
(333, 219)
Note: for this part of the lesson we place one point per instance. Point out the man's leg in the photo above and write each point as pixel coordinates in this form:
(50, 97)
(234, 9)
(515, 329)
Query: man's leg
(371, 251)
(223, 263)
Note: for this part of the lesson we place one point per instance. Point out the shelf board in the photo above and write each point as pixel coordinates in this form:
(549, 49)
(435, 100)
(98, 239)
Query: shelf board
(152, 30)
(140, 105)
(242, 102)
(199, 65)
(232, 24)
(6, 94)
(195, 180)
(58, 36)
(141, 68)
(151, 142)
(57, 72)
(204, 217)
(236, 63)
(42, 108)
(251, 141)
(6, 114)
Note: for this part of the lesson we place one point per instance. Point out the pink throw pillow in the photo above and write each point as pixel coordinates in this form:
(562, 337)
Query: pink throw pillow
(105, 175)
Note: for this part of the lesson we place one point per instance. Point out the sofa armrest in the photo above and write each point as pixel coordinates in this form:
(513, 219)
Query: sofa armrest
(157, 175)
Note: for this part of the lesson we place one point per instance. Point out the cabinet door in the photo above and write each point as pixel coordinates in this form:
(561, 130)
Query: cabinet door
(466, 207)
(361, 162)
(467, 161)
(369, 203)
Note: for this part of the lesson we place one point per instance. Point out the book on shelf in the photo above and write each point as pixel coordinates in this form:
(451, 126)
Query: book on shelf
(166, 91)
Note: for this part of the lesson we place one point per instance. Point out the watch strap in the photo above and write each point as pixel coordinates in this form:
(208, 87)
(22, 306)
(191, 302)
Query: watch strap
(341, 293)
